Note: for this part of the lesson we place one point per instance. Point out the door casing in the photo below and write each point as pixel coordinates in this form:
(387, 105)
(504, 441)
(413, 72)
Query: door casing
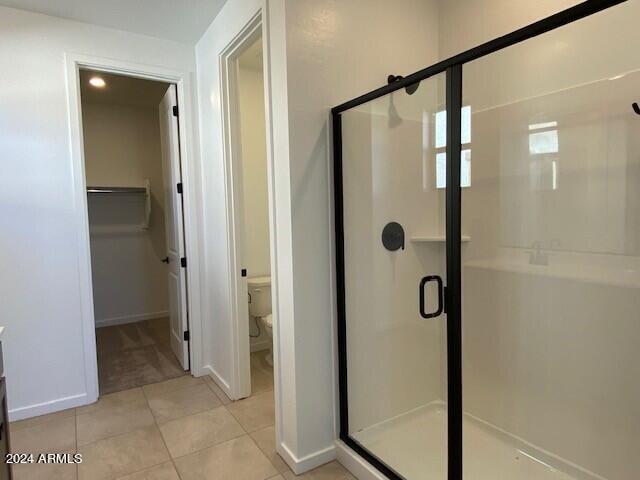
(252, 31)
(73, 64)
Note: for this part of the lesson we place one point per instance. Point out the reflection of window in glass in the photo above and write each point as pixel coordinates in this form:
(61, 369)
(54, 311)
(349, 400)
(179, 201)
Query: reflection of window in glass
(543, 174)
(441, 169)
(543, 145)
(543, 138)
(441, 147)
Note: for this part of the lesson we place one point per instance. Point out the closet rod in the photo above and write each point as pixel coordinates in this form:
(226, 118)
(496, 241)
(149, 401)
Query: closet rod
(116, 190)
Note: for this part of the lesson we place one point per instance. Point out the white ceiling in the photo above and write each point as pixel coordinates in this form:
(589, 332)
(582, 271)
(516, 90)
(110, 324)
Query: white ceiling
(179, 20)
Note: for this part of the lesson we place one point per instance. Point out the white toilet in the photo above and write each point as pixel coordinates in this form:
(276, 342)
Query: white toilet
(260, 307)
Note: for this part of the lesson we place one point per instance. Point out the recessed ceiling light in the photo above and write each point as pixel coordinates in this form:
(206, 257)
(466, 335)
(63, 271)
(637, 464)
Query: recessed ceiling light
(97, 82)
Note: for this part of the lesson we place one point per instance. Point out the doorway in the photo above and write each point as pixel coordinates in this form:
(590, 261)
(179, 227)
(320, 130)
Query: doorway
(135, 217)
(249, 176)
(255, 211)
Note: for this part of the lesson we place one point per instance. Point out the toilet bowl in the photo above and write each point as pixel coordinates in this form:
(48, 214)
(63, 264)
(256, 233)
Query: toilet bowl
(259, 289)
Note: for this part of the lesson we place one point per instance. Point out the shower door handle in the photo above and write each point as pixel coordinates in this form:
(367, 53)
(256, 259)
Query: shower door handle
(423, 284)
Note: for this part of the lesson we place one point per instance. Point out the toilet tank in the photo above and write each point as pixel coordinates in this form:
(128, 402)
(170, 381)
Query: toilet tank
(259, 289)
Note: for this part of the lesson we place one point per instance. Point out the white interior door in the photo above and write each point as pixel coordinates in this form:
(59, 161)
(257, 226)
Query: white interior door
(174, 226)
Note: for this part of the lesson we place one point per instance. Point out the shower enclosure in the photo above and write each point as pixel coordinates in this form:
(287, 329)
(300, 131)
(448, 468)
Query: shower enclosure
(487, 213)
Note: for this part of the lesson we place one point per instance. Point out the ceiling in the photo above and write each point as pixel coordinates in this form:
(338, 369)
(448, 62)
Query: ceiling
(121, 90)
(182, 21)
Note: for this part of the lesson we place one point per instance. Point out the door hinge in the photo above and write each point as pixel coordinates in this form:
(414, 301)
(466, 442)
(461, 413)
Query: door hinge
(179, 187)
(186, 336)
(175, 110)
(183, 262)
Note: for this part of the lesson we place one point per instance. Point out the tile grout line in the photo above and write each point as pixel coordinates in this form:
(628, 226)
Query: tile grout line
(157, 425)
(211, 446)
(265, 453)
(110, 436)
(169, 380)
(121, 434)
(140, 428)
(145, 400)
(231, 402)
(155, 421)
(246, 432)
(251, 437)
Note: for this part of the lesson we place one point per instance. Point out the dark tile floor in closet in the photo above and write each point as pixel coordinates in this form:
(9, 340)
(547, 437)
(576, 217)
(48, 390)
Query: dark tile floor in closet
(135, 354)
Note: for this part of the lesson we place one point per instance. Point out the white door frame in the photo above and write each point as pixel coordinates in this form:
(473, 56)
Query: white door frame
(237, 22)
(73, 64)
(228, 61)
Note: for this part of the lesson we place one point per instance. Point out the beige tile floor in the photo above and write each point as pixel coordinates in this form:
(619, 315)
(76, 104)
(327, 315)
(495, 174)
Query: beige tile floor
(180, 429)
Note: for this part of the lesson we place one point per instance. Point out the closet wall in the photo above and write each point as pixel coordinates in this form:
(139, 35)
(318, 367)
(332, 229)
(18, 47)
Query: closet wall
(122, 147)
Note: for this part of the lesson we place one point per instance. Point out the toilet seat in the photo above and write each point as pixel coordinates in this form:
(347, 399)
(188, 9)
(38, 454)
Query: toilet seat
(268, 321)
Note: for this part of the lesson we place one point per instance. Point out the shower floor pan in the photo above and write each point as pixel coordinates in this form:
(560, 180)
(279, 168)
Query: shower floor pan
(414, 445)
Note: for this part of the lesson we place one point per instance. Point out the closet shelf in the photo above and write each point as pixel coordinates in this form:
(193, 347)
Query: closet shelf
(436, 239)
(141, 190)
(117, 189)
(115, 230)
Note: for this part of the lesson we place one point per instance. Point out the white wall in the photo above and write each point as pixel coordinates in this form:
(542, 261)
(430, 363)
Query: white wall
(41, 303)
(335, 51)
(466, 24)
(254, 172)
(122, 148)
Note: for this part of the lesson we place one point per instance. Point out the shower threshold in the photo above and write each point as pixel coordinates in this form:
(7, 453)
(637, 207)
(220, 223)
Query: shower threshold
(414, 445)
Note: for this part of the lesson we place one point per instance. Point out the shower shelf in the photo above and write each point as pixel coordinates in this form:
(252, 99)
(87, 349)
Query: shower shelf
(436, 239)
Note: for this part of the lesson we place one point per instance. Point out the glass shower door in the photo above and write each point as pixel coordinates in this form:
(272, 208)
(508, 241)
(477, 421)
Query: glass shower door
(552, 271)
(393, 389)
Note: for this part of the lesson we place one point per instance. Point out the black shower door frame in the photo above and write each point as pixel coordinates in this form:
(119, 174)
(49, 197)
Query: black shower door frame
(453, 295)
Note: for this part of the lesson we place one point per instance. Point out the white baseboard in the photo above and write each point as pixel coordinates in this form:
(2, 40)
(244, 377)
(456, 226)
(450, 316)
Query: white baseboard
(199, 372)
(48, 407)
(108, 322)
(259, 346)
(209, 370)
(308, 462)
(353, 462)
